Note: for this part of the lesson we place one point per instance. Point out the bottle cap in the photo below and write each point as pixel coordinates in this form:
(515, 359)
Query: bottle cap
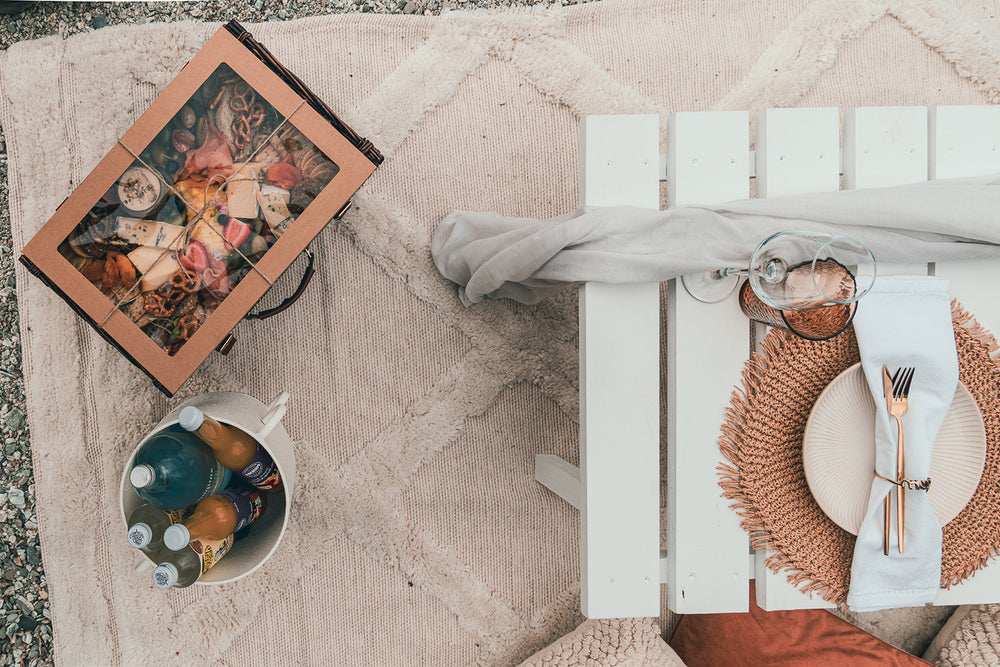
(141, 476)
(176, 537)
(165, 575)
(140, 535)
(191, 418)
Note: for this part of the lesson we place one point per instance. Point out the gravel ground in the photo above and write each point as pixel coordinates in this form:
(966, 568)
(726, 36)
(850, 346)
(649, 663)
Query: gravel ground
(26, 630)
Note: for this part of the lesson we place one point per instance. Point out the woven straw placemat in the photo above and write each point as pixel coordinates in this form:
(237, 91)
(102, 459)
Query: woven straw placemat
(762, 439)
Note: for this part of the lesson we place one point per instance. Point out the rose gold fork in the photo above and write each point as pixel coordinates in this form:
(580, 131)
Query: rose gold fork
(898, 406)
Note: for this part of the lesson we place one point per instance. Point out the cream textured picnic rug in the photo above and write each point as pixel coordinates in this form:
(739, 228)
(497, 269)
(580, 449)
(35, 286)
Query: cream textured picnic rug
(419, 535)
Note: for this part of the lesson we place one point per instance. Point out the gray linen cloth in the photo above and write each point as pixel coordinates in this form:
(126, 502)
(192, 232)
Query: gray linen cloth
(525, 259)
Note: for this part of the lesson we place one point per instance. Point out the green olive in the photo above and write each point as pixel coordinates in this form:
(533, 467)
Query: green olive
(201, 132)
(164, 136)
(158, 155)
(258, 245)
(187, 116)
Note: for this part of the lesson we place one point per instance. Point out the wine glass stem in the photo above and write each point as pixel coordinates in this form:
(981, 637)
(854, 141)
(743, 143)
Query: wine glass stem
(725, 273)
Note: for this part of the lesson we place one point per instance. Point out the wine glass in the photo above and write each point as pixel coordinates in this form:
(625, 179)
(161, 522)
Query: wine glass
(819, 274)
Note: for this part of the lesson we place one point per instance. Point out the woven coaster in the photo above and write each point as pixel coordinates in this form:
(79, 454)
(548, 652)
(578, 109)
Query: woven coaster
(762, 439)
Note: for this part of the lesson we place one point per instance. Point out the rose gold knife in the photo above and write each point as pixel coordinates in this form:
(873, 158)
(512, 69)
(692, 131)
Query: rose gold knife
(886, 504)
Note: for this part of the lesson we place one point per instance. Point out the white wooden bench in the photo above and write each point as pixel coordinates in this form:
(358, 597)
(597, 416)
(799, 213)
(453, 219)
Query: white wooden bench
(708, 564)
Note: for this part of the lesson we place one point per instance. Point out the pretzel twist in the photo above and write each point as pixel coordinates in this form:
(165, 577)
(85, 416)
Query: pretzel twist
(187, 325)
(156, 305)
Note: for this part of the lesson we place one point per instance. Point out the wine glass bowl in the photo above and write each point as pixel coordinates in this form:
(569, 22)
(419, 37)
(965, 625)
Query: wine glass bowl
(804, 270)
(806, 282)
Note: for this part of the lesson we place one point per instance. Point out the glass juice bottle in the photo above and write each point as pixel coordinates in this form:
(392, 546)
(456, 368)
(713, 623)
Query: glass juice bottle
(235, 449)
(217, 516)
(146, 526)
(175, 470)
(178, 569)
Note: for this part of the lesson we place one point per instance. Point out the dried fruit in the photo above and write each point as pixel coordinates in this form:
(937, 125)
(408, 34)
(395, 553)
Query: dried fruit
(126, 270)
(111, 276)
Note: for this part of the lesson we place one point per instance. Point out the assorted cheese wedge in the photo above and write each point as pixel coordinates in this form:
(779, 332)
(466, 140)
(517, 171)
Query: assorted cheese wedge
(158, 273)
(148, 233)
(274, 206)
(242, 190)
(144, 257)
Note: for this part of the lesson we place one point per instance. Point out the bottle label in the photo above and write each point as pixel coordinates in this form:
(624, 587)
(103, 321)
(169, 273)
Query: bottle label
(210, 552)
(262, 471)
(176, 516)
(249, 504)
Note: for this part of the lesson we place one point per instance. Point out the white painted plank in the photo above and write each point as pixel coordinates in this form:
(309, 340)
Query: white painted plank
(798, 151)
(965, 141)
(619, 388)
(559, 476)
(983, 587)
(707, 345)
(886, 146)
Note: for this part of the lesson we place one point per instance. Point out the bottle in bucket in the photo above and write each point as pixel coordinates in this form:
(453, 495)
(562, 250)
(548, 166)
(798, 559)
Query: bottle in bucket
(146, 526)
(216, 517)
(175, 470)
(235, 449)
(178, 569)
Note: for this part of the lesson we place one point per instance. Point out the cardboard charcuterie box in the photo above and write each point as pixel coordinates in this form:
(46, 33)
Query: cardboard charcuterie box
(201, 205)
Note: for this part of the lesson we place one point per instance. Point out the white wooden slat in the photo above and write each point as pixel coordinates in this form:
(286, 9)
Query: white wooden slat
(619, 388)
(965, 141)
(707, 345)
(983, 587)
(886, 146)
(798, 151)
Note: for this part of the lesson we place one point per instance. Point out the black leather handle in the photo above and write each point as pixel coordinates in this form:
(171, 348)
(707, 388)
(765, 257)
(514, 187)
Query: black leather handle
(284, 305)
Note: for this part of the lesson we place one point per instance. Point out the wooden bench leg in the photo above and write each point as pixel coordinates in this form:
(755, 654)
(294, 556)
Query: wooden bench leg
(559, 476)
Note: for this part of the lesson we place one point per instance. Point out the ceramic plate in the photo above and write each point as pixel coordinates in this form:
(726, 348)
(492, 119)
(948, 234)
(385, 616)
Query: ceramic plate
(838, 452)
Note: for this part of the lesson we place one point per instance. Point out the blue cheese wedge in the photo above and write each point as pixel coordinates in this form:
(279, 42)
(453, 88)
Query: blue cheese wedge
(241, 191)
(148, 233)
(274, 206)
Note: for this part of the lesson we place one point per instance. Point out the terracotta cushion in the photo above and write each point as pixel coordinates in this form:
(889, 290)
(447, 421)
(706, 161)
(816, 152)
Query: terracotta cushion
(803, 637)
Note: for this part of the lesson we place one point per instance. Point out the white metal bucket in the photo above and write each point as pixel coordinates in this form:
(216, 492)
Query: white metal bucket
(263, 422)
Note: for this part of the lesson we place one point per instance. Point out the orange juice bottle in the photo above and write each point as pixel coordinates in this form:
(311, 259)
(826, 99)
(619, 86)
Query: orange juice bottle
(234, 449)
(216, 517)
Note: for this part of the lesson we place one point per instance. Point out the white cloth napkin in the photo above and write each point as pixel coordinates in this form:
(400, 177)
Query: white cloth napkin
(904, 321)
(492, 256)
